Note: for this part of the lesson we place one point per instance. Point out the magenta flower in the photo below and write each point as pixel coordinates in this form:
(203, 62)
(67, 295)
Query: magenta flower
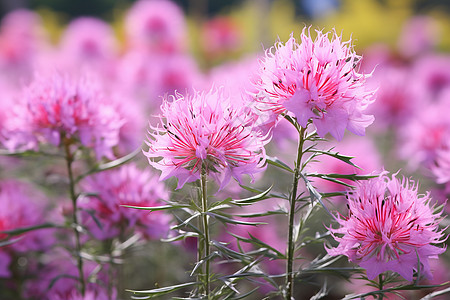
(58, 107)
(426, 134)
(21, 206)
(316, 80)
(127, 185)
(88, 43)
(389, 227)
(156, 26)
(50, 284)
(206, 130)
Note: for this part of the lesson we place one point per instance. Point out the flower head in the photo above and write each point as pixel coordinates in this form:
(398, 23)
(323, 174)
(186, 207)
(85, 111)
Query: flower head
(206, 131)
(127, 185)
(156, 26)
(389, 227)
(59, 107)
(315, 80)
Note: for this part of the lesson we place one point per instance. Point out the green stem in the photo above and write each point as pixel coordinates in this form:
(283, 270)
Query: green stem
(380, 285)
(292, 201)
(203, 183)
(73, 196)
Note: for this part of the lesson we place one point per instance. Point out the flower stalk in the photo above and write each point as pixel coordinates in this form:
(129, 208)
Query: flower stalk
(204, 198)
(73, 197)
(292, 201)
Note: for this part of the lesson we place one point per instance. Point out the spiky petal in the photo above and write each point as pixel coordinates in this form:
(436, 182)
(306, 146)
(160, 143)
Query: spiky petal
(315, 80)
(205, 129)
(389, 227)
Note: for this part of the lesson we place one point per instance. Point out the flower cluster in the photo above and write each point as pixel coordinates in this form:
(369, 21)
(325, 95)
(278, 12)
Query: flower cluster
(57, 107)
(127, 185)
(318, 80)
(389, 227)
(21, 206)
(206, 131)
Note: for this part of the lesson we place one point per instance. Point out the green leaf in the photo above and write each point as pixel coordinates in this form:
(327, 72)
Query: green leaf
(229, 252)
(187, 221)
(353, 177)
(157, 208)
(229, 220)
(252, 199)
(110, 165)
(258, 243)
(163, 290)
(274, 161)
(181, 236)
(22, 230)
(9, 241)
(262, 214)
(436, 293)
(315, 194)
(408, 287)
(345, 158)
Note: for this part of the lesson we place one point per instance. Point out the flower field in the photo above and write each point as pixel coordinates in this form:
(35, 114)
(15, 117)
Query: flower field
(255, 150)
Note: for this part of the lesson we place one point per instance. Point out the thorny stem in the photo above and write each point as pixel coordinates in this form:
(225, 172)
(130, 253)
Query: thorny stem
(292, 201)
(203, 183)
(73, 196)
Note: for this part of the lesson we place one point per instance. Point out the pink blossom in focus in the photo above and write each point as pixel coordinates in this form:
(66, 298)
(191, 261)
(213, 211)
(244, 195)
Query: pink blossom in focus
(389, 227)
(209, 130)
(21, 206)
(126, 185)
(315, 80)
(156, 26)
(61, 107)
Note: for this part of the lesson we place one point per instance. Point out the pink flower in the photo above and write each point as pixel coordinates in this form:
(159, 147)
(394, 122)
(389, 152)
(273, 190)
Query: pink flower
(60, 107)
(22, 40)
(57, 279)
(419, 35)
(441, 168)
(389, 227)
(21, 206)
(156, 25)
(427, 133)
(316, 80)
(88, 43)
(150, 76)
(209, 130)
(397, 96)
(221, 36)
(127, 185)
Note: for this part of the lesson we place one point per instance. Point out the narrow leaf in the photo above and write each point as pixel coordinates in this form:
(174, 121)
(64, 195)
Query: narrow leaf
(22, 230)
(157, 208)
(274, 161)
(345, 158)
(252, 199)
(229, 220)
(163, 290)
(110, 165)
